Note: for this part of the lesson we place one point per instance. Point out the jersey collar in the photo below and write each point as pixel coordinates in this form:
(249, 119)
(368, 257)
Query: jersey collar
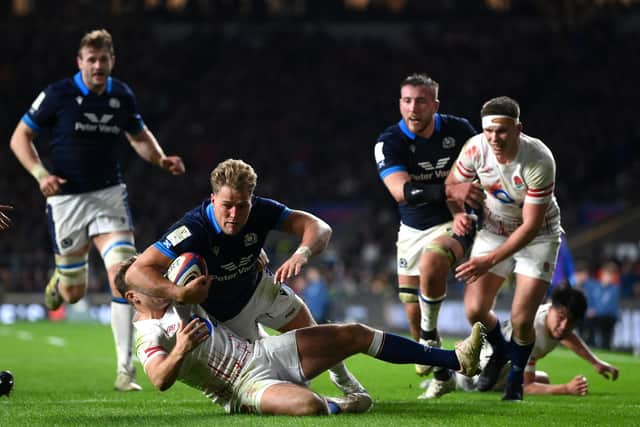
(212, 218)
(77, 79)
(406, 131)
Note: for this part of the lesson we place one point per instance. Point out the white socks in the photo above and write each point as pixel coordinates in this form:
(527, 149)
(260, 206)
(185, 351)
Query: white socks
(121, 317)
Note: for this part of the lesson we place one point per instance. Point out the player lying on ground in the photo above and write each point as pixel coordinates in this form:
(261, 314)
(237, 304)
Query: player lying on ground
(183, 343)
(554, 324)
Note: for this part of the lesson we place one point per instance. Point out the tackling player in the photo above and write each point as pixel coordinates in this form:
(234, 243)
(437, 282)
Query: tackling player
(178, 342)
(229, 230)
(86, 196)
(413, 159)
(520, 233)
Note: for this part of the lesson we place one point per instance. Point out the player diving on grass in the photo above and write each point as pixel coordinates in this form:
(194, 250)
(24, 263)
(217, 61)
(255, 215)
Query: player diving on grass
(554, 324)
(182, 342)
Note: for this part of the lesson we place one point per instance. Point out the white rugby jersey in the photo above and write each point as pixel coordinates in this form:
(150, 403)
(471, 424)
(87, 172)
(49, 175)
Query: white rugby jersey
(529, 178)
(212, 367)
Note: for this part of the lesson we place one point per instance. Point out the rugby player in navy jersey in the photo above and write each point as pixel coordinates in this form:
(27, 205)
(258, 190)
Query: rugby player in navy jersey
(413, 158)
(229, 230)
(86, 196)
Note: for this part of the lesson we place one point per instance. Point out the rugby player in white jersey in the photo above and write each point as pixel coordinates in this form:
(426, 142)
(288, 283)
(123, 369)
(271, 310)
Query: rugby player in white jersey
(554, 325)
(182, 342)
(520, 233)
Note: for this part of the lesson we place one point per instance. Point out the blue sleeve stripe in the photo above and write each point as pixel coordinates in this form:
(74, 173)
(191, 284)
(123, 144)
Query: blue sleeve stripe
(118, 243)
(167, 252)
(29, 122)
(285, 213)
(391, 170)
(71, 266)
(119, 300)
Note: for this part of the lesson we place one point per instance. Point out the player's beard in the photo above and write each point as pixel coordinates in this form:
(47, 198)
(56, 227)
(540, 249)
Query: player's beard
(420, 126)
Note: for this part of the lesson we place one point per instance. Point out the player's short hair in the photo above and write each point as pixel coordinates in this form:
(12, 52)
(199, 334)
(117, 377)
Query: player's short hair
(501, 106)
(97, 39)
(573, 299)
(421, 79)
(237, 174)
(121, 284)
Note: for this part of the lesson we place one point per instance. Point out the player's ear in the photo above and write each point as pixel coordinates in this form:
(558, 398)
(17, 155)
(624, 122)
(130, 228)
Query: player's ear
(130, 296)
(212, 197)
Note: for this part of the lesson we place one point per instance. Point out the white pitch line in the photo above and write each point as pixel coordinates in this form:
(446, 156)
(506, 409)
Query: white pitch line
(56, 341)
(24, 335)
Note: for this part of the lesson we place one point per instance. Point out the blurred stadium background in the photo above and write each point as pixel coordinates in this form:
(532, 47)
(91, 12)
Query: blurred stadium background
(301, 89)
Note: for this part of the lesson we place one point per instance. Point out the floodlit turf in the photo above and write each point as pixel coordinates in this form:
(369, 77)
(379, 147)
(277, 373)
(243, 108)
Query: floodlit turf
(64, 374)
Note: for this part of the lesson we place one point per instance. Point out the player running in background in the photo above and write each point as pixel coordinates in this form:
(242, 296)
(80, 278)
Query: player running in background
(520, 233)
(229, 230)
(554, 324)
(179, 342)
(413, 159)
(86, 196)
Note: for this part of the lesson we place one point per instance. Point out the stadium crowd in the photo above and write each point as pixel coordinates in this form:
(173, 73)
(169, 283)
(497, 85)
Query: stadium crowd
(303, 100)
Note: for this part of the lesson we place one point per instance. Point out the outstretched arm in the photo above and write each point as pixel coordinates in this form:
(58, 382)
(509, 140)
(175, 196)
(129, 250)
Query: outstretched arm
(147, 147)
(314, 236)
(578, 386)
(163, 369)
(147, 275)
(574, 343)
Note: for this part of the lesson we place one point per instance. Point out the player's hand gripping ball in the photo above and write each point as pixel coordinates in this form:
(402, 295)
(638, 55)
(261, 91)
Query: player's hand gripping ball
(186, 267)
(6, 383)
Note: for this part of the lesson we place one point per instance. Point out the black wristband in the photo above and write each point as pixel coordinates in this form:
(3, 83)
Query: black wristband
(416, 193)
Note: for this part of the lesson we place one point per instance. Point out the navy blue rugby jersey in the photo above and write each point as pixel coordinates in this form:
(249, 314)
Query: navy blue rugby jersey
(84, 130)
(425, 160)
(231, 260)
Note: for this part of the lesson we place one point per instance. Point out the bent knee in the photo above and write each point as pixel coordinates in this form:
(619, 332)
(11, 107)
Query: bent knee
(474, 312)
(435, 262)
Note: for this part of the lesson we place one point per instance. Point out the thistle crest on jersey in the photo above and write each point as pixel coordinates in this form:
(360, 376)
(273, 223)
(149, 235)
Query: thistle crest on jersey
(186, 267)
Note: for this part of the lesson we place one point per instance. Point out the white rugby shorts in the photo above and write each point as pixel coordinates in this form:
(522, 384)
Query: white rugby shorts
(537, 259)
(75, 218)
(274, 361)
(273, 305)
(411, 243)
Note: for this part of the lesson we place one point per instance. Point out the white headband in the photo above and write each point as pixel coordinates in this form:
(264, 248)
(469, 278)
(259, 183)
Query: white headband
(497, 119)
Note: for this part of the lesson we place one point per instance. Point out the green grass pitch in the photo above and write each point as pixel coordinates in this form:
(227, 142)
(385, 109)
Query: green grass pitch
(64, 374)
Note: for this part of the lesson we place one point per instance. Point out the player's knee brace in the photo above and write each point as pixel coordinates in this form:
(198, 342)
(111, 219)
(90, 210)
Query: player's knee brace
(443, 250)
(408, 293)
(72, 270)
(117, 250)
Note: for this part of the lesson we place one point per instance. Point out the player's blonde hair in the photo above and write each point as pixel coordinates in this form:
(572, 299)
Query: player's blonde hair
(97, 39)
(237, 174)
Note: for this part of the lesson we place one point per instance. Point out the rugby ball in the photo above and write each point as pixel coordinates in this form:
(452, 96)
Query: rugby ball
(186, 267)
